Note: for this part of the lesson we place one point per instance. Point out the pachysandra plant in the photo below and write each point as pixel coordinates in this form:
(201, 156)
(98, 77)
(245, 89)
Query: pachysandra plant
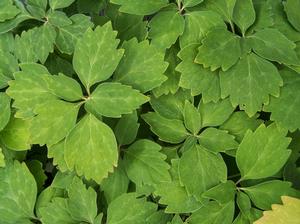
(149, 112)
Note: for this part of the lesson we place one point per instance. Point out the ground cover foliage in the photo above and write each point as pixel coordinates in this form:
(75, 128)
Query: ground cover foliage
(149, 112)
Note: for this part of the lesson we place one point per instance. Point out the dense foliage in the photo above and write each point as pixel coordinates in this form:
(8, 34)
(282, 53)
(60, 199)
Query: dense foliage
(149, 112)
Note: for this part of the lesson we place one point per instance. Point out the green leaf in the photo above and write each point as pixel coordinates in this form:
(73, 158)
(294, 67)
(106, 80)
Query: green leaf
(38, 3)
(288, 99)
(165, 28)
(262, 153)
(91, 142)
(197, 25)
(159, 217)
(171, 105)
(217, 140)
(52, 124)
(13, 23)
(4, 110)
(220, 49)
(254, 79)
(224, 8)
(42, 41)
(82, 202)
(273, 45)
(282, 214)
(8, 11)
(191, 3)
(168, 130)
(57, 153)
(16, 134)
(222, 193)
(128, 209)
(201, 162)
(142, 66)
(8, 64)
(195, 77)
(171, 85)
(58, 18)
(244, 14)
(192, 118)
(290, 7)
(243, 203)
(176, 220)
(36, 169)
(213, 213)
(174, 196)
(30, 89)
(140, 8)
(58, 4)
(145, 164)
(7, 42)
(56, 211)
(68, 36)
(215, 114)
(127, 128)
(64, 87)
(238, 124)
(115, 184)
(17, 195)
(90, 59)
(264, 15)
(267, 193)
(2, 160)
(114, 99)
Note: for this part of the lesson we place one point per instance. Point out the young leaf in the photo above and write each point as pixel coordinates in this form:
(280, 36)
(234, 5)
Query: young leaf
(90, 142)
(142, 66)
(90, 59)
(168, 130)
(144, 163)
(282, 214)
(4, 110)
(275, 189)
(128, 209)
(217, 140)
(17, 195)
(135, 6)
(220, 49)
(254, 79)
(262, 153)
(192, 118)
(114, 99)
(244, 14)
(200, 162)
(165, 28)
